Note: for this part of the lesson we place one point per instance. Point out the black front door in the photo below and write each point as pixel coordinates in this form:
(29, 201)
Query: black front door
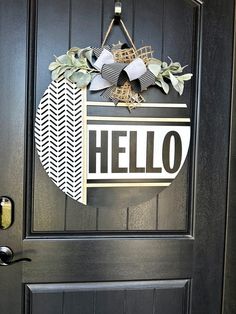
(163, 255)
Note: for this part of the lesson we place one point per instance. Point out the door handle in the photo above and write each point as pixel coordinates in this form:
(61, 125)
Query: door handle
(7, 255)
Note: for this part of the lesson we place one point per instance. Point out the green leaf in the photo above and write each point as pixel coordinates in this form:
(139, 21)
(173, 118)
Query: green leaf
(171, 61)
(173, 79)
(64, 59)
(89, 55)
(84, 81)
(73, 51)
(185, 77)
(55, 74)
(63, 68)
(155, 68)
(165, 73)
(75, 77)
(154, 60)
(177, 70)
(177, 84)
(80, 62)
(160, 82)
(165, 86)
(179, 87)
(69, 72)
(53, 66)
(175, 65)
(81, 79)
(164, 65)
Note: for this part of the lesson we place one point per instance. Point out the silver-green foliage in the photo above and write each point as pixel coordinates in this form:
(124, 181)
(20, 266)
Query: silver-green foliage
(74, 66)
(165, 73)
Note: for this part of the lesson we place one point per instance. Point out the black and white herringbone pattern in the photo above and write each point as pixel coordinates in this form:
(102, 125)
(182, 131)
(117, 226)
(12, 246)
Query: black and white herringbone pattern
(59, 136)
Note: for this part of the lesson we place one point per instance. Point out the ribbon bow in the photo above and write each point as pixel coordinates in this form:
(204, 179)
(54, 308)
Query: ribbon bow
(116, 74)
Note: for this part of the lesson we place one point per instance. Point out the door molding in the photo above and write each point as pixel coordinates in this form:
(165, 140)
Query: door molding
(229, 285)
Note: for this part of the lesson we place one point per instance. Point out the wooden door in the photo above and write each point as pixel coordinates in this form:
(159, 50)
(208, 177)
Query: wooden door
(164, 255)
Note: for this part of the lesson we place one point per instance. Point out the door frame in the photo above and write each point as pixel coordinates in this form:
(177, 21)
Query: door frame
(229, 285)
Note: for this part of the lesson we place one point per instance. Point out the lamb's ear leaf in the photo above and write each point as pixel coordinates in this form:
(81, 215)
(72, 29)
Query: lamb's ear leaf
(69, 72)
(173, 79)
(154, 60)
(85, 80)
(161, 83)
(164, 65)
(89, 55)
(158, 83)
(55, 73)
(155, 68)
(165, 86)
(185, 77)
(64, 59)
(53, 66)
(73, 50)
(80, 62)
(81, 79)
(179, 87)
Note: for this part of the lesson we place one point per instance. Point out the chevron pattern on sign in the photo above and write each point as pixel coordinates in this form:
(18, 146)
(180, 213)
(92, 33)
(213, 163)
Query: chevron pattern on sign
(60, 135)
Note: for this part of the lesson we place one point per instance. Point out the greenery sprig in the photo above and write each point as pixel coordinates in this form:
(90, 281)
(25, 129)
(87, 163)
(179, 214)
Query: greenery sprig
(164, 73)
(74, 66)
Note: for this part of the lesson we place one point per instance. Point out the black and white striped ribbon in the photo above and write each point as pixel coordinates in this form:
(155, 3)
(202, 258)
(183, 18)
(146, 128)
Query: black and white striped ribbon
(114, 73)
(108, 95)
(97, 51)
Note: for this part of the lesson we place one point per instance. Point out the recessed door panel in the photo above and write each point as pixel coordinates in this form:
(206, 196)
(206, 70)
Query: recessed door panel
(166, 211)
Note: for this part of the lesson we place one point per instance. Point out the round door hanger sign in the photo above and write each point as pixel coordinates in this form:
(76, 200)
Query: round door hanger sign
(111, 160)
(105, 160)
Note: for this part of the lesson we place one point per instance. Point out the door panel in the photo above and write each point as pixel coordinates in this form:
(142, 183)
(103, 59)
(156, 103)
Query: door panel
(166, 297)
(107, 259)
(51, 210)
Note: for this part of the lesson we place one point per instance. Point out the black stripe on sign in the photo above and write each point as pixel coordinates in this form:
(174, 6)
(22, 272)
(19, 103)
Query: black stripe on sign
(131, 181)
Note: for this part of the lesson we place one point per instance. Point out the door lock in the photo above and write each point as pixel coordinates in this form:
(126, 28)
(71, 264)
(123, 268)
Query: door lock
(6, 212)
(7, 255)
